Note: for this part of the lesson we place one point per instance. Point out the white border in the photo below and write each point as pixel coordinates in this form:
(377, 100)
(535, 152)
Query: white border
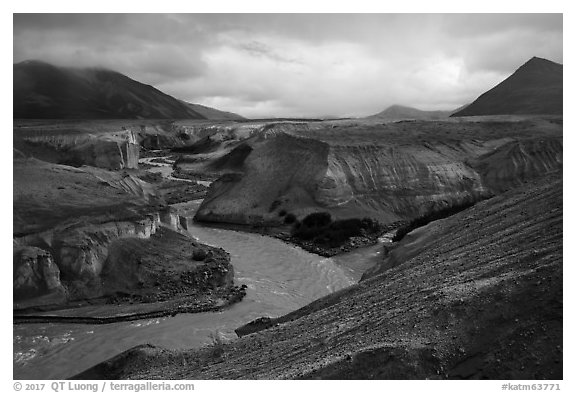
(258, 6)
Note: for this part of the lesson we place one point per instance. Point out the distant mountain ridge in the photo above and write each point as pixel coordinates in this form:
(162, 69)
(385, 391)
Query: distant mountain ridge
(45, 91)
(213, 114)
(399, 112)
(534, 88)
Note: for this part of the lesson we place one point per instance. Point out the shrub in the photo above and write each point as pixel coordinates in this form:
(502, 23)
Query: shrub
(307, 233)
(337, 237)
(320, 219)
(289, 218)
(352, 226)
(320, 228)
(198, 254)
(282, 213)
(370, 225)
(431, 216)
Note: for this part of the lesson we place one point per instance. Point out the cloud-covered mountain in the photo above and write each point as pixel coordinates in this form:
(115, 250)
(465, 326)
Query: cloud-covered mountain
(44, 91)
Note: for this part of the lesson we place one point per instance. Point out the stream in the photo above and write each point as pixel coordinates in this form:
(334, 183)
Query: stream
(280, 278)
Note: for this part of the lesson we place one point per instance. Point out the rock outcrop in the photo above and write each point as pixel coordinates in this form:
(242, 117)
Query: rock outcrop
(149, 270)
(87, 233)
(77, 255)
(80, 253)
(117, 150)
(36, 274)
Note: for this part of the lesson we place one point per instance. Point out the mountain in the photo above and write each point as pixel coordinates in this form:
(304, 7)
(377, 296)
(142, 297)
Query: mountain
(213, 114)
(399, 112)
(45, 91)
(535, 88)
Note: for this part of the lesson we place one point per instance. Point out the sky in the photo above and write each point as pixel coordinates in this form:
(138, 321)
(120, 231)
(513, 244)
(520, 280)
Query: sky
(299, 65)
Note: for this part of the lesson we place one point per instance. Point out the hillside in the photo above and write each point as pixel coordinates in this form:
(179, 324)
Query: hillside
(480, 299)
(391, 172)
(399, 112)
(44, 91)
(534, 88)
(213, 114)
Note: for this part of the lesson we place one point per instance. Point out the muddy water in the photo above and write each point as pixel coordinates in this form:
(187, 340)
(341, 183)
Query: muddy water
(164, 168)
(280, 279)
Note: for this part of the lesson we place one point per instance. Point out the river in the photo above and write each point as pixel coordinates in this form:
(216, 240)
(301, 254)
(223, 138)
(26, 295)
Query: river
(280, 278)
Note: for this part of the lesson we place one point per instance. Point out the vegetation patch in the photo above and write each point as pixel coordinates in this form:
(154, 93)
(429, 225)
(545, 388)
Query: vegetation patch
(320, 229)
(274, 206)
(199, 254)
(289, 218)
(432, 216)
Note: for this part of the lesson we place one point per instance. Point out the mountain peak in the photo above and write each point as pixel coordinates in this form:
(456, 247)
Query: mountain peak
(538, 63)
(536, 60)
(400, 112)
(534, 88)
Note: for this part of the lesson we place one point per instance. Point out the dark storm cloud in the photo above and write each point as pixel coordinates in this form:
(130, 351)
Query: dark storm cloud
(466, 25)
(299, 64)
(144, 27)
(155, 48)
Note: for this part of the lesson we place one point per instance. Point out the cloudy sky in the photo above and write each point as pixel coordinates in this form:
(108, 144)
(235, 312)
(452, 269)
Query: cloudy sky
(299, 64)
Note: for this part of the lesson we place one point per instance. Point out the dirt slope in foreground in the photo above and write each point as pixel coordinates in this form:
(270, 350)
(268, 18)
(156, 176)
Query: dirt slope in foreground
(484, 300)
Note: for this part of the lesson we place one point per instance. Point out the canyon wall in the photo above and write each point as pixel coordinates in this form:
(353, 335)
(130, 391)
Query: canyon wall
(389, 172)
(35, 274)
(282, 170)
(66, 220)
(115, 144)
(71, 261)
(166, 134)
(514, 163)
(47, 196)
(115, 151)
(396, 182)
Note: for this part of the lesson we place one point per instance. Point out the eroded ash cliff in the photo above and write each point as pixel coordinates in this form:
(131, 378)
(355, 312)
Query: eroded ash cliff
(391, 172)
(91, 236)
